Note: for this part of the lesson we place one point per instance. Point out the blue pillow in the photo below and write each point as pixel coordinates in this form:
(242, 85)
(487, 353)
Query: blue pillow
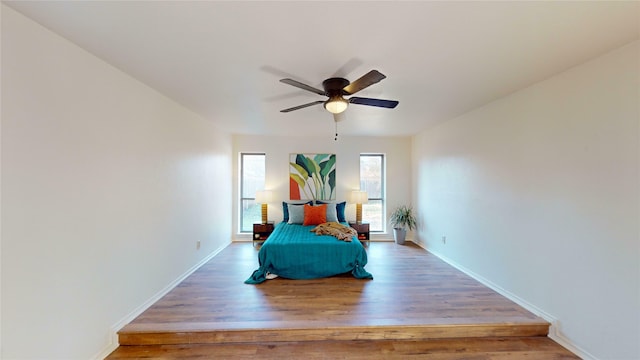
(339, 209)
(285, 209)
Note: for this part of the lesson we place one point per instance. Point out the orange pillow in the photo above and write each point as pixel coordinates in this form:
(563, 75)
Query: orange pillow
(315, 215)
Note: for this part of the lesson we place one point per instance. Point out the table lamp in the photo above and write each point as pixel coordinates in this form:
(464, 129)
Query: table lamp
(264, 197)
(359, 197)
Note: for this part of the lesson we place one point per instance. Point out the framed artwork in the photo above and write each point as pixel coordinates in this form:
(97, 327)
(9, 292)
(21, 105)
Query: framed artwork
(312, 176)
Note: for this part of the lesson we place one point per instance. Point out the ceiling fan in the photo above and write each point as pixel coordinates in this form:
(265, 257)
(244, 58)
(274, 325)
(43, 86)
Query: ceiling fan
(337, 88)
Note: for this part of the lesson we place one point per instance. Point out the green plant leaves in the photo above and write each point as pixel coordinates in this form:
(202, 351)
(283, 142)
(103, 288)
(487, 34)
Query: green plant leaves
(402, 217)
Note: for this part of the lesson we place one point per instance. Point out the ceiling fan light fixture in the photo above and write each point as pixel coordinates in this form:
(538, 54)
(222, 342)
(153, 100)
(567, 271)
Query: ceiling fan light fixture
(336, 104)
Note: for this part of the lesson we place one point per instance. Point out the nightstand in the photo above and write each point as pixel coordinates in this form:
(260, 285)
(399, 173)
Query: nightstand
(261, 231)
(362, 229)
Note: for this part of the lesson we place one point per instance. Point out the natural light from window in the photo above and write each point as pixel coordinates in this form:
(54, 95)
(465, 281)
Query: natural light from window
(252, 179)
(372, 175)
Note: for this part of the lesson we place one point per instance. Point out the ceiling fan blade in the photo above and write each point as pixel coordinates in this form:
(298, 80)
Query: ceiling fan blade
(365, 81)
(302, 86)
(390, 104)
(302, 106)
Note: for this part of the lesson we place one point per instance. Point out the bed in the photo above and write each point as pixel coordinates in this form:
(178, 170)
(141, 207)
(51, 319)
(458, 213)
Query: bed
(292, 251)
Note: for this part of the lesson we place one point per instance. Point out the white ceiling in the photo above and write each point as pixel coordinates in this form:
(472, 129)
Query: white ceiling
(223, 60)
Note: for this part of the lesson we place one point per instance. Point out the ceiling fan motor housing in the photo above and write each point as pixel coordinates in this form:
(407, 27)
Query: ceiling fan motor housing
(335, 86)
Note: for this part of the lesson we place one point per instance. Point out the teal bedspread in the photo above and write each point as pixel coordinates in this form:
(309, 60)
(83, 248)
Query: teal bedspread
(294, 252)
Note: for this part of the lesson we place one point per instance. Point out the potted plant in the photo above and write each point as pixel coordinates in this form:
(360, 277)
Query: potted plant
(401, 219)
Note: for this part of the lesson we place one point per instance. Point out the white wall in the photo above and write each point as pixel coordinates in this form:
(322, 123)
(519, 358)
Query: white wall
(347, 149)
(106, 187)
(538, 194)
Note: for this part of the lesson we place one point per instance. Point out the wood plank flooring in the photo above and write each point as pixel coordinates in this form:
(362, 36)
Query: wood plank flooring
(416, 305)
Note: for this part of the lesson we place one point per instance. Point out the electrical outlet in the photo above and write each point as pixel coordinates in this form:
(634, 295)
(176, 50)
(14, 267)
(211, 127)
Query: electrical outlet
(444, 239)
(198, 245)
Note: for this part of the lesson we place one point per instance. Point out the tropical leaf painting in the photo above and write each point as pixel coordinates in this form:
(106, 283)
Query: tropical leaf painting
(312, 176)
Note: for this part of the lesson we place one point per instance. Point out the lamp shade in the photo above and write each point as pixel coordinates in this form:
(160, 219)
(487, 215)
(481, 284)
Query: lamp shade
(359, 197)
(264, 196)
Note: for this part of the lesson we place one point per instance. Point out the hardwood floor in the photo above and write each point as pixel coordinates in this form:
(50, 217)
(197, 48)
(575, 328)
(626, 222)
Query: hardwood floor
(417, 305)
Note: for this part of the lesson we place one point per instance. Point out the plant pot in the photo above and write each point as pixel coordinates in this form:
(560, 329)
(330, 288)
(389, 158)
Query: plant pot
(399, 235)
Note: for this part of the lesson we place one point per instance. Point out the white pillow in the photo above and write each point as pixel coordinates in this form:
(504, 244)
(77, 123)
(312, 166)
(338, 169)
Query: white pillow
(296, 214)
(332, 213)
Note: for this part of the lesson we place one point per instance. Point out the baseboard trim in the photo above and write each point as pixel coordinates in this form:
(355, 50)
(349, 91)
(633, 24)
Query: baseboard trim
(554, 332)
(113, 331)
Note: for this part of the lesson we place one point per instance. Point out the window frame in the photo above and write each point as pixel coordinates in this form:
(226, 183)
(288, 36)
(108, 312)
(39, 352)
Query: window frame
(242, 199)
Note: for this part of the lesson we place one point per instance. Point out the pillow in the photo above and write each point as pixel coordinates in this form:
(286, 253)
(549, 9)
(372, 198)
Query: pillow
(332, 213)
(339, 209)
(285, 209)
(315, 215)
(296, 213)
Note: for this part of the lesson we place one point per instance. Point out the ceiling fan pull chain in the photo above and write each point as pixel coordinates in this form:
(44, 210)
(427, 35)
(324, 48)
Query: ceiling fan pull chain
(336, 138)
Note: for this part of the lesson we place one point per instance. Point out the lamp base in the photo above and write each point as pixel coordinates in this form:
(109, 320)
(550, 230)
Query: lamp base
(359, 213)
(264, 213)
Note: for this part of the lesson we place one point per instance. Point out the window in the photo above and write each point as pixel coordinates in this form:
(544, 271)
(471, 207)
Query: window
(252, 170)
(372, 174)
